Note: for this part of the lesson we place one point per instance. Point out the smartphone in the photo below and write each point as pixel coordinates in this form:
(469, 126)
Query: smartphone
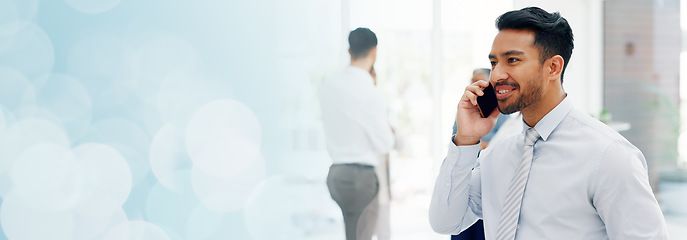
(487, 102)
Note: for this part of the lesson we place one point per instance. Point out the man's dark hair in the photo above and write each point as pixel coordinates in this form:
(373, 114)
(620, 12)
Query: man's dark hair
(552, 33)
(361, 40)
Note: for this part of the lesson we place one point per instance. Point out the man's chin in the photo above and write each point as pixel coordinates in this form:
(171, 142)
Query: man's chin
(507, 109)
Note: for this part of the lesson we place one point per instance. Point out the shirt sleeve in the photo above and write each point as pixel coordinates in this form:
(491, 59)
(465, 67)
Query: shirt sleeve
(375, 121)
(457, 201)
(623, 197)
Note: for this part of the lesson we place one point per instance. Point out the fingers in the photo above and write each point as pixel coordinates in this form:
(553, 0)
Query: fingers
(474, 90)
(470, 96)
(482, 83)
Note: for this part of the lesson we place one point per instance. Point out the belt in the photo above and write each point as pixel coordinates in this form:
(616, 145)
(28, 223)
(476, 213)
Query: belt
(360, 165)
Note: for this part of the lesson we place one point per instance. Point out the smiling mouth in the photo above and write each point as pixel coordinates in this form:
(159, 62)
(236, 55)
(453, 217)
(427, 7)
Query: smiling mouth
(503, 95)
(504, 89)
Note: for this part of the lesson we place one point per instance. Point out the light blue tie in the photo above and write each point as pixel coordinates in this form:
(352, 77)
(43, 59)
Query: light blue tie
(511, 206)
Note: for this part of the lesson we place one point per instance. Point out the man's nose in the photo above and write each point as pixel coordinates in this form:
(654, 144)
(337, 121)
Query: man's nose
(498, 73)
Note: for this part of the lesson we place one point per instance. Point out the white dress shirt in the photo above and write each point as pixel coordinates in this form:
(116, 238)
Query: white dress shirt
(586, 182)
(511, 126)
(356, 125)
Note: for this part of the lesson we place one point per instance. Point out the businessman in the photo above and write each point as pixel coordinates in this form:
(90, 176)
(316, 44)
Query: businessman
(567, 176)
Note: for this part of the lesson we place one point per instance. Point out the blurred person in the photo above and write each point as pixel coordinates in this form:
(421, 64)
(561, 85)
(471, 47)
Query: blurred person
(567, 176)
(383, 228)
(358, 134)
(373, 74)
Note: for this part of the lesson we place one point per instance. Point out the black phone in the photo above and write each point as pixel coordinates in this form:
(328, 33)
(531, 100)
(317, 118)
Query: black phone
(487, 102)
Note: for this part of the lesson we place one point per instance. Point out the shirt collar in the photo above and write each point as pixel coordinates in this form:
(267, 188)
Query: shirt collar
(551, 120)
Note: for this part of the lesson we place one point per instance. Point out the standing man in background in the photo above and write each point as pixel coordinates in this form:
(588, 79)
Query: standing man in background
(566, 176)
(358, 133)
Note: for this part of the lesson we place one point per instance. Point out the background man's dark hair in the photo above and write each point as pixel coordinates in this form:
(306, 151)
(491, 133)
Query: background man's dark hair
(486, 71)
(552, 33)
(361, 40)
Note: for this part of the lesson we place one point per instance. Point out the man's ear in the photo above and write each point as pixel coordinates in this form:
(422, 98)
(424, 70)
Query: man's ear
(554, 67)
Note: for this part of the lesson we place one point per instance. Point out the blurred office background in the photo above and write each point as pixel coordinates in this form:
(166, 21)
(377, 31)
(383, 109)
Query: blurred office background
(156, 120)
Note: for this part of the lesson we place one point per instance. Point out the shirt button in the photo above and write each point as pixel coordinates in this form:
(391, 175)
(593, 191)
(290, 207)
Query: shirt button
(517, 226)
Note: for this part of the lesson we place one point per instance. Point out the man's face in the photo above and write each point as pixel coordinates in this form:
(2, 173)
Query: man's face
(516, 70)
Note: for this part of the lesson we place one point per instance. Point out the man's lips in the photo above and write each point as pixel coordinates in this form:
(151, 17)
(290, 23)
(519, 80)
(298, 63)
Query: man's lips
(504, 90)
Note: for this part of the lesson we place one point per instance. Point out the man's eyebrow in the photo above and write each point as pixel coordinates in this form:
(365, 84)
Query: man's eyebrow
(509, 53)
(512, 52)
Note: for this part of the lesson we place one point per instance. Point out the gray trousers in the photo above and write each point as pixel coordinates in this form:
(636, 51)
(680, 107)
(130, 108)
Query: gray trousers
(354, 187)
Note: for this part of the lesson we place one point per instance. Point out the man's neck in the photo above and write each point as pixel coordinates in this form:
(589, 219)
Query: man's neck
(535, 112)
(364, 63)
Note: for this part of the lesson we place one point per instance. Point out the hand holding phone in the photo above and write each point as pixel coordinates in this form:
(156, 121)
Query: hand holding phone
(476, 114)
(487, 102)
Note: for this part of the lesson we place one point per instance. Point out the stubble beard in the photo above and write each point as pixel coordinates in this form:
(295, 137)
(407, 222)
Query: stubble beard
(526, 98)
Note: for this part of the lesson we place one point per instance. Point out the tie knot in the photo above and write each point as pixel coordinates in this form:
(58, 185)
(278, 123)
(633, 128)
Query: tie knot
(531, 136)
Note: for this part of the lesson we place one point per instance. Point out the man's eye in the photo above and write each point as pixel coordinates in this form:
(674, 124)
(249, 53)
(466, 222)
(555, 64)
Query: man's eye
(493, 63)
(512, 60)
